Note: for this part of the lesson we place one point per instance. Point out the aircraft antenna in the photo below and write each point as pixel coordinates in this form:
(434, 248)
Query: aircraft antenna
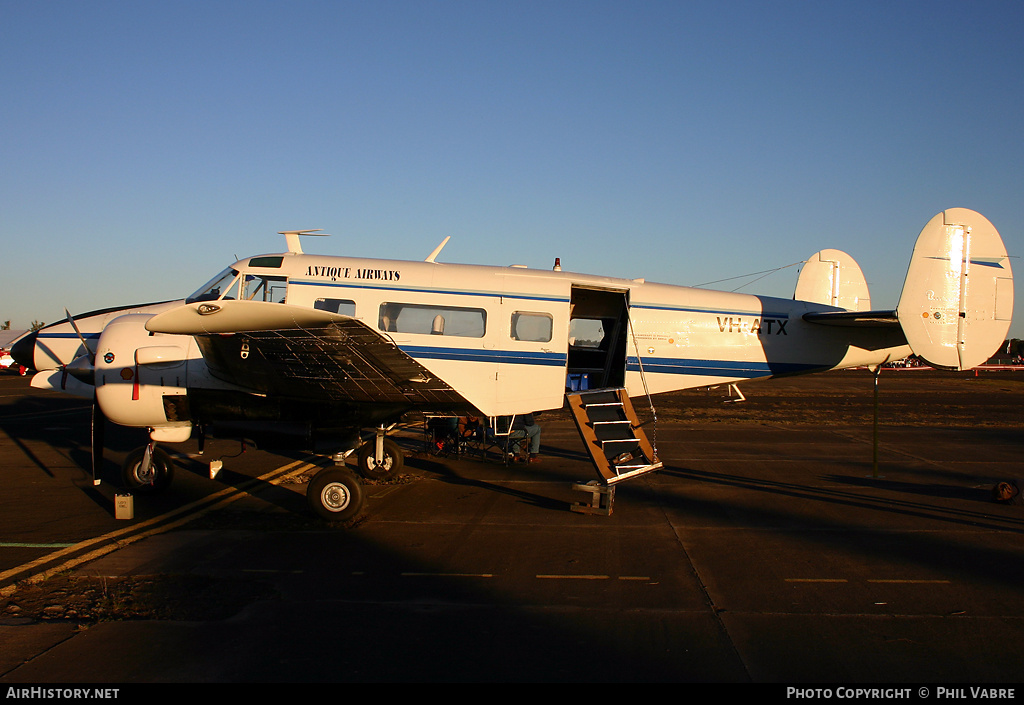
(437, 250)
(764, 273)
(292, 238)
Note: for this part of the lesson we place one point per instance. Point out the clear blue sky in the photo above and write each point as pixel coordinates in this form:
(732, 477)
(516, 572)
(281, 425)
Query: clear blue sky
(146, 144)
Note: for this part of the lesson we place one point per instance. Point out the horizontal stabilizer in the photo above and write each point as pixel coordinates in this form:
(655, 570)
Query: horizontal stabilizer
(957, 301)
(854, 319)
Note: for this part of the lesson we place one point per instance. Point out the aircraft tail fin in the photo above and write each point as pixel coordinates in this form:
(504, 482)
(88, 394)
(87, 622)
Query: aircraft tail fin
(833, 278)
(957, 301)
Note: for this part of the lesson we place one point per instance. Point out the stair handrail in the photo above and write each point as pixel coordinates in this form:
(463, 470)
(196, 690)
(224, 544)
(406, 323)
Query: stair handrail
(643, 379)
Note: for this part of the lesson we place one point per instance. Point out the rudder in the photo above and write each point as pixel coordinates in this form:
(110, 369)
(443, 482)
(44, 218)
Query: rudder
(957, 302)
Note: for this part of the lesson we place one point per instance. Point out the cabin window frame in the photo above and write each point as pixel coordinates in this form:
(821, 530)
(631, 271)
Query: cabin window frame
(432, 319)
(518, 318)
(344, 307)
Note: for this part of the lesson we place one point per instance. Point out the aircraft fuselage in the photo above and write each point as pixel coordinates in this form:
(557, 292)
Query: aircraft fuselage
(511, 339)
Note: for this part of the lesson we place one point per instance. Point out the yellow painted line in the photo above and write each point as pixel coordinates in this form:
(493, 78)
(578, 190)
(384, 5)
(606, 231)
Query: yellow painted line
(192, 511)
(543, 577)
(574, 577)
(881, 581)
(272, 571)
(447, 575)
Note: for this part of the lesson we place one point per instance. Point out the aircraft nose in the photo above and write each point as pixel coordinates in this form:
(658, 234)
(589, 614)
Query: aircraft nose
(24, 349)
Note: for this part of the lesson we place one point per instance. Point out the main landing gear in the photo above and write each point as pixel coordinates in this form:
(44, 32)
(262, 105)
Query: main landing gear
(336, 494)
(381, 463)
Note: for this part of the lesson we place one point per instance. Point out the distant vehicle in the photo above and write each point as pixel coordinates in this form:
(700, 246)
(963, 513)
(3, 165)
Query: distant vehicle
(8, 363)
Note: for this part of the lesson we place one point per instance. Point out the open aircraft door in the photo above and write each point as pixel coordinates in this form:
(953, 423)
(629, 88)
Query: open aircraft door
(599, 334)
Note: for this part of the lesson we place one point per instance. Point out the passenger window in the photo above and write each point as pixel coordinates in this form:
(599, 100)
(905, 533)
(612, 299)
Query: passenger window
(346, 307)
(432, 320)
(531, 327)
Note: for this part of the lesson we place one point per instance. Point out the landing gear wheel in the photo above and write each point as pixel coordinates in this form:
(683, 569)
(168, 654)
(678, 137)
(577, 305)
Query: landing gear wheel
(140, 481)
(389, 465)
(335, 494)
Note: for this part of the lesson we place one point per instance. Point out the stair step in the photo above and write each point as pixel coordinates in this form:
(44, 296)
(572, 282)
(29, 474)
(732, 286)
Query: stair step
(609, 428)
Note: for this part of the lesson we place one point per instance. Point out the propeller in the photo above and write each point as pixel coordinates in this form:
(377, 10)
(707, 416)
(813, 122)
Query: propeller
(97, 437)
(84, 369)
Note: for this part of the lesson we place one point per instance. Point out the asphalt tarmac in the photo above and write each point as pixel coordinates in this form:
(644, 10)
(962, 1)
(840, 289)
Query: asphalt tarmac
(772, 548)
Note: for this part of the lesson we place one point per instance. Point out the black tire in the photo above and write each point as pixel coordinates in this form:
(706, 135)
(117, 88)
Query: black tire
(335, 494)
(160, 475)
(390, 463)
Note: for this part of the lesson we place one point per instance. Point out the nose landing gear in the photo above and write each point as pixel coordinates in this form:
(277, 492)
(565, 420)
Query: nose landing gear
(147, 470)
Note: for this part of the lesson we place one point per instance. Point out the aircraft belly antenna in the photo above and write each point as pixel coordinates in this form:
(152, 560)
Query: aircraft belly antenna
(292, 238)
(437, 250)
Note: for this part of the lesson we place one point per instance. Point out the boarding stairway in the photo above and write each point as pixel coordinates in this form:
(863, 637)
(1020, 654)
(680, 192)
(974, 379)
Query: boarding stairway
(611, 432)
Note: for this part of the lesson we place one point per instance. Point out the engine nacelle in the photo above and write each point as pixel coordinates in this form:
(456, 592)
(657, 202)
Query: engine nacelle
(142, 377)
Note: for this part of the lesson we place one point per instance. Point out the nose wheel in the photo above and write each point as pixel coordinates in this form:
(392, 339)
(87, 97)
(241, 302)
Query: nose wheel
(147, 470)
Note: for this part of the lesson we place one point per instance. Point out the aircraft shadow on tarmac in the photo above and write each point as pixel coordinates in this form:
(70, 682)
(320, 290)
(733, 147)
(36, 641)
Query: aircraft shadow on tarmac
(447, 472)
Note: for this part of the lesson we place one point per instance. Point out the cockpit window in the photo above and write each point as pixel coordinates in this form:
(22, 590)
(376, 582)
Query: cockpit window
(217, 288)
(250, 287)
(260, 288)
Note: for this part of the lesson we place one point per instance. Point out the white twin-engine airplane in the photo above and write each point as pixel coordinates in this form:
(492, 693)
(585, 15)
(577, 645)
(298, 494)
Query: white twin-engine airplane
(334, 350)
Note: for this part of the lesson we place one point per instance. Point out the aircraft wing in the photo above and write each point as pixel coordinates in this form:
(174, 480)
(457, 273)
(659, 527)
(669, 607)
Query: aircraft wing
(854, 319)
(300, 353)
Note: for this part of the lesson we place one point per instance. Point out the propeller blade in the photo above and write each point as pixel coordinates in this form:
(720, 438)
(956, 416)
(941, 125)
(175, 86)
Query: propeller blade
(99, 423)
(88, 350)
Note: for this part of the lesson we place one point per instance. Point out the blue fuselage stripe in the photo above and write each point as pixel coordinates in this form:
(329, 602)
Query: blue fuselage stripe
(717, 368)
(431, 290)
(660, 365)
(68, 336)
(510, 357)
